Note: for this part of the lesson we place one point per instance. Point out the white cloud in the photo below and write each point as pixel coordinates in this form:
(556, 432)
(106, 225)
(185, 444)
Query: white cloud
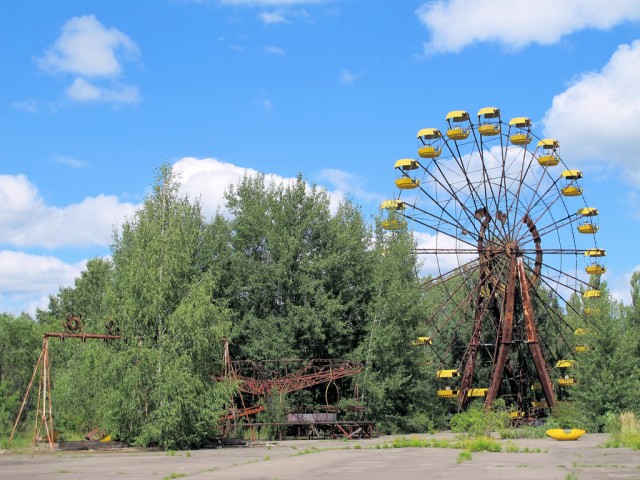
(272, 50)
(208, 178)
(87, 48)
(27, 280)
(347, 77)
(346, 184)
(455, 24)
(620, 285)
(598, 117)
(272, 18)
(27, 221)
(83, 91)
(72, 162)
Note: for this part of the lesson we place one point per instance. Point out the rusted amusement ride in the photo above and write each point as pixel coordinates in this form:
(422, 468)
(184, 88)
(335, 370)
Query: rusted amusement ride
(505, 230)
(257, 380)
(73, 328)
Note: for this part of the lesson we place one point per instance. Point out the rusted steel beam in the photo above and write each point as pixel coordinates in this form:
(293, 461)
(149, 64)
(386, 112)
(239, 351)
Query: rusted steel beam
(532, 338)
(506, 333)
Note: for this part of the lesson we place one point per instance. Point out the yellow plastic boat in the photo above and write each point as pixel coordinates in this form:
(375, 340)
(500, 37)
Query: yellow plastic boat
(565, 433)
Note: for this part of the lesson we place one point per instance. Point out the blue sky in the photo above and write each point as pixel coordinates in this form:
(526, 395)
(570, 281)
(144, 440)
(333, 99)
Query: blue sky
(96, 94)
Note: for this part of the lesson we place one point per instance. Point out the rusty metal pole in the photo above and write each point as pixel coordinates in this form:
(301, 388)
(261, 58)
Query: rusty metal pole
(504, 344)
(532, 338)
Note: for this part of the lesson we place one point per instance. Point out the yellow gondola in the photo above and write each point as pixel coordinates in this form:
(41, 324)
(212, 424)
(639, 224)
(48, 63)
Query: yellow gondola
(580, 331)
(580, 348)
(447, 373)
(565, 363)
(592, 294)
(393, 224)
(522, 131)
(548, 158)
(429, 143)
(489, 121)
(422, 341)
(477, 392)
(447, 393)
(459, 125)
(595, 267)
(393, 205)
(516, 415)
(573, 187)
(406, 165)
(588, 222)
(539, 404)
(565, 382)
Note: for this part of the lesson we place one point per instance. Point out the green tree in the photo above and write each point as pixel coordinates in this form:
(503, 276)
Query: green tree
(20, 344)
(398, 386)
(608, 372)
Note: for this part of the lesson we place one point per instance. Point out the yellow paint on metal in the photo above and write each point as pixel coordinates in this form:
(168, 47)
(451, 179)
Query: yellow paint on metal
(489, 112)
(549, 143)
(407, 183)
(448, 373)
(422, 341)
(571, 191)
(565, 434)
(429, 151)
(489, 129)
(520, 139)
(458, 133)
(406, 164)
(477, 392)
(595, 252)
(572, 174)
(565, 363)
(520, 122)
(429, 133)
(548, 160)
(393, 224)
(588, 228)
(588, 212)
(591, 294)
(393, 205)
(457, 116)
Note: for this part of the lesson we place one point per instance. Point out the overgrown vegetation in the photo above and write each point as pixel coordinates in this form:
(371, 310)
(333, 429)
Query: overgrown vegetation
(280, 275)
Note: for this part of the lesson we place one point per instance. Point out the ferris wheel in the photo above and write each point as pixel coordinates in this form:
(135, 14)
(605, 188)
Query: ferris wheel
(508, 239)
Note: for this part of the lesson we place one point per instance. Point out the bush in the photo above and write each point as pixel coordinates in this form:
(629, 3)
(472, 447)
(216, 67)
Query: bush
(479, 421)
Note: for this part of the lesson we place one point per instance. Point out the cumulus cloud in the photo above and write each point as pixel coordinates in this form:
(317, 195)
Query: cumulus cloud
(89, 50)
(28, 222)
(347, 184)
(208, 178)
(27, 280)
(597, 118)
(620, 285)
(456, 24)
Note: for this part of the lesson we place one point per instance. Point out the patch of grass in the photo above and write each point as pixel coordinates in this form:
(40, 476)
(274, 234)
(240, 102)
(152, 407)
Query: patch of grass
(171, 476)
(188, 454)
(525, 431)
(308, 451)
(267, 457)
(357, 447)
(464, 456)
(482, 444)
(171, 453)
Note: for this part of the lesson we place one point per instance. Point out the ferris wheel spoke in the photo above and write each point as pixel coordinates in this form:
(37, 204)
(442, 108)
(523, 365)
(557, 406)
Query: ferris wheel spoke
(516, 202)
(438, 229)
(553, 227)
(554, 195)
(452, 193)
(561, 272)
